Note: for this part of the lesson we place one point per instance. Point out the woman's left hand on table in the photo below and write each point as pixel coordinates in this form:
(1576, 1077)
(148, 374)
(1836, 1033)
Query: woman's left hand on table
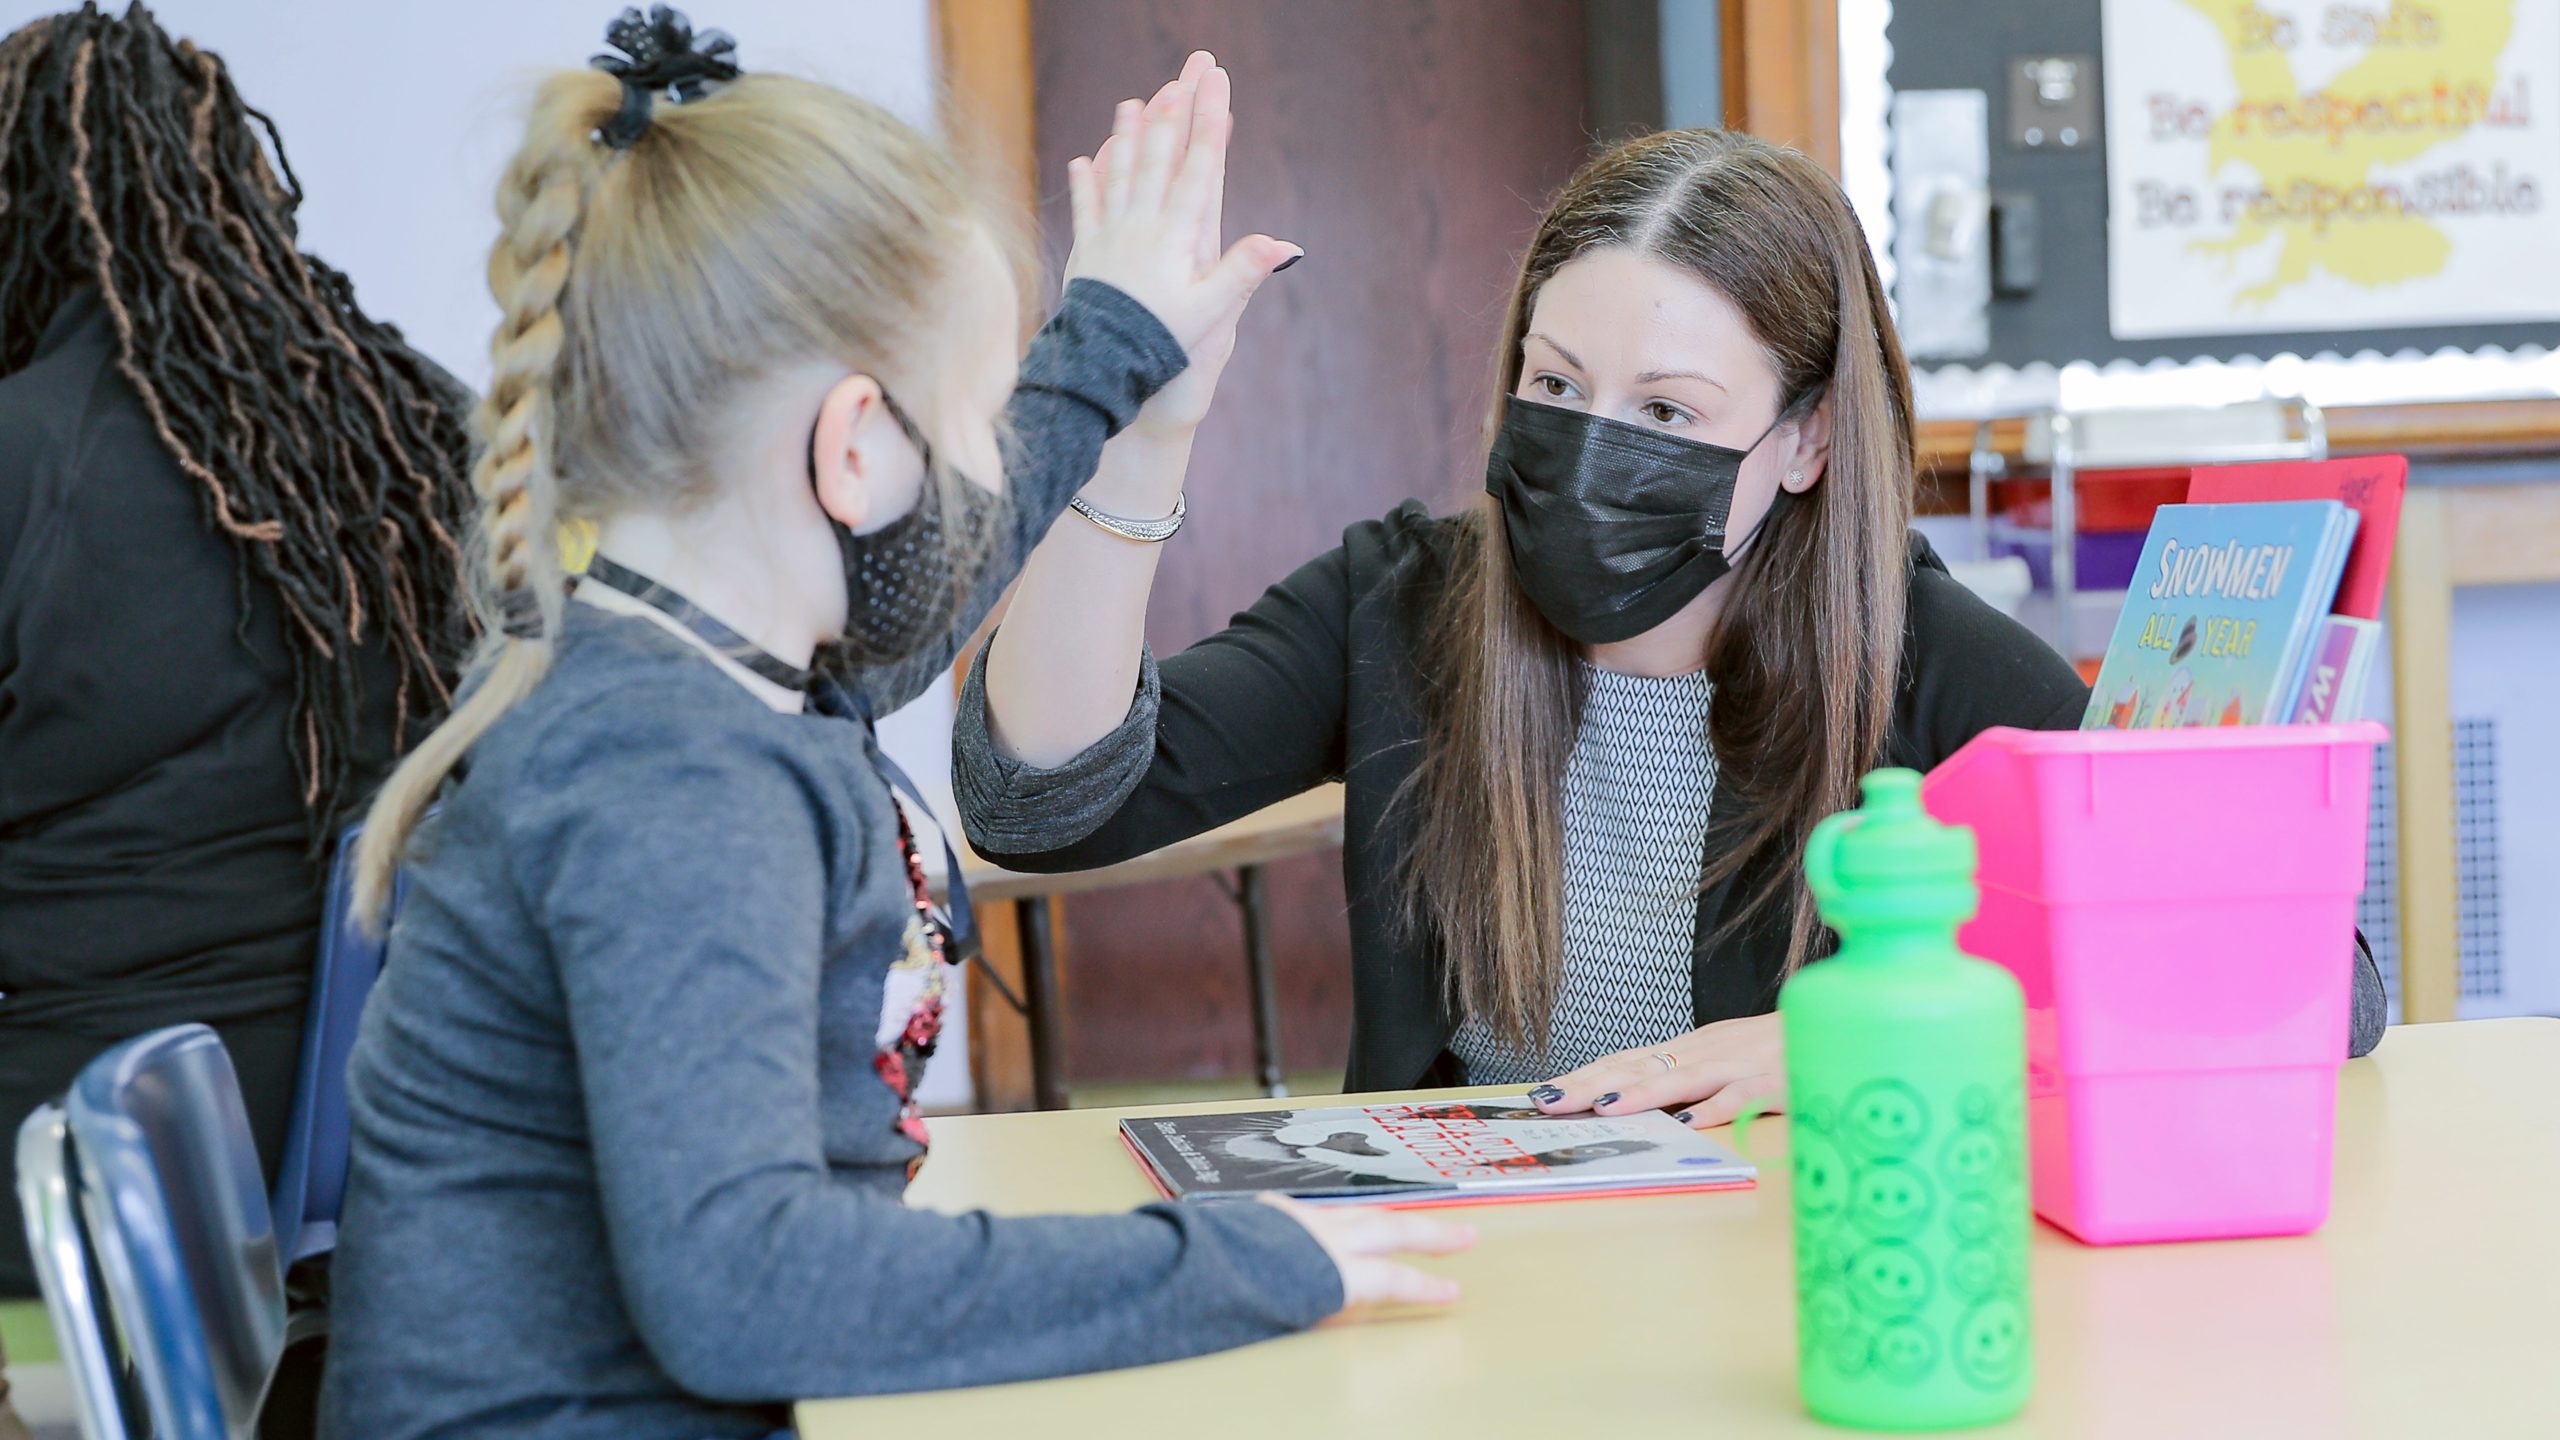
(1705, 1077)
(1149, 207)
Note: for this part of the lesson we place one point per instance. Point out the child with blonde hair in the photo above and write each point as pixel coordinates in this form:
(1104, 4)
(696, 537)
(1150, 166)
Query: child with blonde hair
(633, 1102)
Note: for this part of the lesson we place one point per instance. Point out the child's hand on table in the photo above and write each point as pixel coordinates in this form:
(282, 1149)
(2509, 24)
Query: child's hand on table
(1363, 1241)
(1705, 1076)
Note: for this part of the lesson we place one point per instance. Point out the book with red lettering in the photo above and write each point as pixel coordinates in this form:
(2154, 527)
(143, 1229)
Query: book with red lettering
(1427, 1153)
(2370, 485)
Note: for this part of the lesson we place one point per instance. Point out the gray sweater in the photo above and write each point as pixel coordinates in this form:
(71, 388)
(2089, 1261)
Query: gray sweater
(623, 1167)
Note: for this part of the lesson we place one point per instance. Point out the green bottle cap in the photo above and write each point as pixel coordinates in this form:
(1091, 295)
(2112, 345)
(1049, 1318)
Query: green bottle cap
(1888, 864)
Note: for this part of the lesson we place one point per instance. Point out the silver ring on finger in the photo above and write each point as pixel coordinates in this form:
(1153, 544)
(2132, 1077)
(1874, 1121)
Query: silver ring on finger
(1670, 1062)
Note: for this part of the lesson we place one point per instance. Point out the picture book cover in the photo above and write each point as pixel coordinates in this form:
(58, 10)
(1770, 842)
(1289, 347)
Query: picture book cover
(1442, 1152)
(2371, 485)
(2226, 603)
(2334, 689)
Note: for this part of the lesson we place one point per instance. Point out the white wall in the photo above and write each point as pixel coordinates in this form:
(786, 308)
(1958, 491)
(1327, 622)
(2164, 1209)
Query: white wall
(397, 117)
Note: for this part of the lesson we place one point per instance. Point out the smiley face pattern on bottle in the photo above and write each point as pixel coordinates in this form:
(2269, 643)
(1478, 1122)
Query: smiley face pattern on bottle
(1904, 1352)
(1972, 1157)
(1891, 1199)
(1973, 1219)
(1991, 1342)
(1974, 1272)
(1849, 1350)
(1821, 1173)
(1884, 1119)
(1890, 1278)
(1911, 1224)
(1827, 1313)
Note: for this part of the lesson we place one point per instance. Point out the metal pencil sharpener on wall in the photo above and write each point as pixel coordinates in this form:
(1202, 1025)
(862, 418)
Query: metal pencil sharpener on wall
(2053, 102)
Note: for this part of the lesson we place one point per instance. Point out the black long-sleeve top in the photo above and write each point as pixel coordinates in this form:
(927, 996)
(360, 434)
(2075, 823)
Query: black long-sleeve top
(155, 856)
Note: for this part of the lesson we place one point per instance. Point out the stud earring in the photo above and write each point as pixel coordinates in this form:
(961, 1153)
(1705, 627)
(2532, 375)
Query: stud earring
(1795, 479)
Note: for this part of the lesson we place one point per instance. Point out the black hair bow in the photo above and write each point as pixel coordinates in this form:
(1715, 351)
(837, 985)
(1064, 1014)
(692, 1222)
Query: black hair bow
(660, 52)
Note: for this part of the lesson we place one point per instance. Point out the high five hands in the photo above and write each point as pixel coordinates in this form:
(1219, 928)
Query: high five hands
(1149, 206)
(1148, 210)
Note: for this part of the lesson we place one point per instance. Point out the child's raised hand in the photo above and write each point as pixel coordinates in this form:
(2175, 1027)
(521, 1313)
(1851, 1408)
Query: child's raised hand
(1363, 1243)
(1147, 215)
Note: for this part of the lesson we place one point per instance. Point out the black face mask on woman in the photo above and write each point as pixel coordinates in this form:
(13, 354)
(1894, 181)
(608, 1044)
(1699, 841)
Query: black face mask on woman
(1613, 527)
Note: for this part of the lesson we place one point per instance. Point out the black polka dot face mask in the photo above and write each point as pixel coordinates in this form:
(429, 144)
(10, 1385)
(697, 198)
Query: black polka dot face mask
(905, 582)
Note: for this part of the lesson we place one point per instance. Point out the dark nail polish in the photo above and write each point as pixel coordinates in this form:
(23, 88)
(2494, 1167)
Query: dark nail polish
(1684, 1116)
(1609, 1099)
(1546, 1094)
(1292, 260)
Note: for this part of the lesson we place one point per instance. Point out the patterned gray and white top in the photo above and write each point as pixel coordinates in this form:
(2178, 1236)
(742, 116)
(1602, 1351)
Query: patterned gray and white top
(1636, 793)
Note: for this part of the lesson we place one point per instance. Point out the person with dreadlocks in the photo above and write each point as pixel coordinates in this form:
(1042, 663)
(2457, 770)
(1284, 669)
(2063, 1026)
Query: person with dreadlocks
(232, 507)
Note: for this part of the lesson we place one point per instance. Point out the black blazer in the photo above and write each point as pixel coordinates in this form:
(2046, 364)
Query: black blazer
(1319, 680)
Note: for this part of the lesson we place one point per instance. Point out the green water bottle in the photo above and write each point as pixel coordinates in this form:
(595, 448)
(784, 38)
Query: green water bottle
(1906, 1072)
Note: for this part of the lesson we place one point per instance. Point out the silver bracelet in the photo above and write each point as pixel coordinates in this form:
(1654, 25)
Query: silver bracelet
(1142, 532)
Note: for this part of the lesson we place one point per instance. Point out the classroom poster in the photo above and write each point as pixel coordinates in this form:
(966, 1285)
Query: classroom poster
(2300, 165)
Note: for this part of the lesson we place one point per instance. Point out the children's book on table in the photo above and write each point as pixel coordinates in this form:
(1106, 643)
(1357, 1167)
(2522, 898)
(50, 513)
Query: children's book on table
(1454, 1152)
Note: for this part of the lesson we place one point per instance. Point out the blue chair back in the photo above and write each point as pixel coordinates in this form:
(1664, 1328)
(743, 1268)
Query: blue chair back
(169, 1188)
(311, 1181)
(64, 1264)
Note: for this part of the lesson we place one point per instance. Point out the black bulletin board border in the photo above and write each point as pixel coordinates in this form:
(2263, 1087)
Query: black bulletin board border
(1969, 45)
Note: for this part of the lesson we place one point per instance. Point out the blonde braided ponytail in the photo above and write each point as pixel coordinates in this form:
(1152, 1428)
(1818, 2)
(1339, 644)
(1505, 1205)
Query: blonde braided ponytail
(724, 233)
(541, 201)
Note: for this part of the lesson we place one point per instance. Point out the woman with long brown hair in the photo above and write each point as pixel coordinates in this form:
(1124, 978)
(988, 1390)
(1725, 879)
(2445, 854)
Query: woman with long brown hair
(1586, 725)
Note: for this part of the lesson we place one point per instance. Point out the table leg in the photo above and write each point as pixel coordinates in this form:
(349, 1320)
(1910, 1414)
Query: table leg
(1253, 897)
(1040, 1002)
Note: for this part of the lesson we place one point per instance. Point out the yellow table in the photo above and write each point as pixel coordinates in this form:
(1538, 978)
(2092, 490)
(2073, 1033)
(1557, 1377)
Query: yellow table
(2428, 1306)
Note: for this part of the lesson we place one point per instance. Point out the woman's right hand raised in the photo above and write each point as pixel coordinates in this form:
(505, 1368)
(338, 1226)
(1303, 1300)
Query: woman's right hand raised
(1364, 1241)
(1141, 213)
(1148, 209)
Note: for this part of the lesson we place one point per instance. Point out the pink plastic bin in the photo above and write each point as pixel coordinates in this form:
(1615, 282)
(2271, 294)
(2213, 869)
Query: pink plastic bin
(2180, 907)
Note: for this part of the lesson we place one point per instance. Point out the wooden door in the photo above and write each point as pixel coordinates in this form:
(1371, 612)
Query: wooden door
(1408, 145)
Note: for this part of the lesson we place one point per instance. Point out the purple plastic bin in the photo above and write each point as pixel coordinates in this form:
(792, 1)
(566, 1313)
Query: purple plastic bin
(2107, 558)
